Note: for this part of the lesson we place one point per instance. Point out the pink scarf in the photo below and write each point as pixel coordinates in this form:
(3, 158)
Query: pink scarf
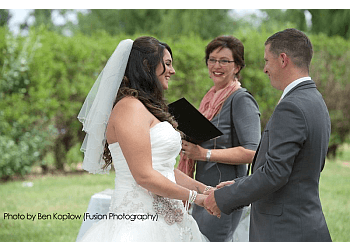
(211, 104)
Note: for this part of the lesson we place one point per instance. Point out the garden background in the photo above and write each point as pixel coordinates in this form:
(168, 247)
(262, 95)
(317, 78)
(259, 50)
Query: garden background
(48, 69)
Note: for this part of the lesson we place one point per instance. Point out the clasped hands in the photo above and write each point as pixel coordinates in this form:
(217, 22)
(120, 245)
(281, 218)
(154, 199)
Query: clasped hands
(207, 200)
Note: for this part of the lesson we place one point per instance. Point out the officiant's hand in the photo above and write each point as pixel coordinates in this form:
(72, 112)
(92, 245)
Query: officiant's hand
(193, 151)
(211, 206)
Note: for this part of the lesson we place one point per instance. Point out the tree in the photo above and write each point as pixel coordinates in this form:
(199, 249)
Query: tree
(280, 17)
(44, 17)
(5, 17)
(208, 24)
(331, 22)
(114, 22)
(25, 132)
(157, 22)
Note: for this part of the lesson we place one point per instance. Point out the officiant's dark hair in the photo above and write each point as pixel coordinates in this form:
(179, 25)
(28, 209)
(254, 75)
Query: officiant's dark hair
(141, 81)
(295, 44)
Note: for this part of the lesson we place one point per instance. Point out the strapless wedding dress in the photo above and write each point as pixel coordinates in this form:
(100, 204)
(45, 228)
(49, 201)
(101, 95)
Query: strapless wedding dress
(136, 214)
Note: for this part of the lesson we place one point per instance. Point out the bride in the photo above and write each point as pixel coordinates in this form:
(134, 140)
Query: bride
(126, 119)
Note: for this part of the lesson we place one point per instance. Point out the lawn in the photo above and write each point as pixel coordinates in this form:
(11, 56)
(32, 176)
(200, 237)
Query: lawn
(49, 195)
(70, 195)
(335, 196)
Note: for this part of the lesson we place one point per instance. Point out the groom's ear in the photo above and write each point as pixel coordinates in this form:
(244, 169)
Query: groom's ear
(284, 60)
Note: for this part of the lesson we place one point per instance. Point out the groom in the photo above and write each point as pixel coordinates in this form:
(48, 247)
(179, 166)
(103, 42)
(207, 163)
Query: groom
(283, 186)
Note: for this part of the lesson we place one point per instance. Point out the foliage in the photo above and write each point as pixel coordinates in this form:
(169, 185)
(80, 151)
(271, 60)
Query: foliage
(45, 78)
(330, 71)
(5, 16)
(169, 23)
(118, 21)
(19, 156)
(275, 16)
(191, 79)
(24, 132)
(39, 97)
(331, 22)
(66, 68)
(253, 77)
(45, 17)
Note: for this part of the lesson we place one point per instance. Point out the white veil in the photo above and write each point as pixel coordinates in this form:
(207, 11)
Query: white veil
(94, 114)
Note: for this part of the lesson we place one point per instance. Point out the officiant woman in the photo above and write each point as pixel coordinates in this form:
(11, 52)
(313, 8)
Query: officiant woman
(232, 109)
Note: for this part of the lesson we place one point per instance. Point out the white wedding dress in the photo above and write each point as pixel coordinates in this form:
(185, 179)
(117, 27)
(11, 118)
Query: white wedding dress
(136, 214)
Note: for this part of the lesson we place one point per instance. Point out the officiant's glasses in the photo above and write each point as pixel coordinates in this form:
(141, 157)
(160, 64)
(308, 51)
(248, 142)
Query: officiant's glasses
(222, 62)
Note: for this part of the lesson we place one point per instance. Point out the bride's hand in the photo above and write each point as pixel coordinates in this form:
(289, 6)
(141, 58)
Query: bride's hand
(200, 199)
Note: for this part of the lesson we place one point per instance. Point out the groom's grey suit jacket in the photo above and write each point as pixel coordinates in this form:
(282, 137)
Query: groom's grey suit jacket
(283, 188)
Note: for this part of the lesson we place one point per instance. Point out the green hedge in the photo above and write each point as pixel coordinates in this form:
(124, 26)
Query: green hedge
(45, 78)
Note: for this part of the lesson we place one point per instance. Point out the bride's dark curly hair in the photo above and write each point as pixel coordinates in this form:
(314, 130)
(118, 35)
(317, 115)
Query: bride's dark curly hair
(140, 81)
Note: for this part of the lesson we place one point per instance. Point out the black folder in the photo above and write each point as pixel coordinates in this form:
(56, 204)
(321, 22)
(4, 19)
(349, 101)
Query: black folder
(192, 123)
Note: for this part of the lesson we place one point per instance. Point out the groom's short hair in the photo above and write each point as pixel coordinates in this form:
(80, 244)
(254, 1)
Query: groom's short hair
(295, 44)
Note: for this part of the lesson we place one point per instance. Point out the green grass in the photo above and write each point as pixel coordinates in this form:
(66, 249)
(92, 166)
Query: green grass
(71, 194)
(48, 195)
(335, 197)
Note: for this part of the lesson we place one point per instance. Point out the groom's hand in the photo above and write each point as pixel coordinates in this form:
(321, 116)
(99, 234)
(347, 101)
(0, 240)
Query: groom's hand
(225, 183)
(211, 206)
(209, 190)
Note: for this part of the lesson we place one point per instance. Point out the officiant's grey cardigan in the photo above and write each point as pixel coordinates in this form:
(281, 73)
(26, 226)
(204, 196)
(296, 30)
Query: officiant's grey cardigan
(239, 121)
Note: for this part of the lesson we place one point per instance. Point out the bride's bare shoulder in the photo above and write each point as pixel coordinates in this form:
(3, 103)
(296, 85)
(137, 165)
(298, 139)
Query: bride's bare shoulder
(129, 102)
(129, 107)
